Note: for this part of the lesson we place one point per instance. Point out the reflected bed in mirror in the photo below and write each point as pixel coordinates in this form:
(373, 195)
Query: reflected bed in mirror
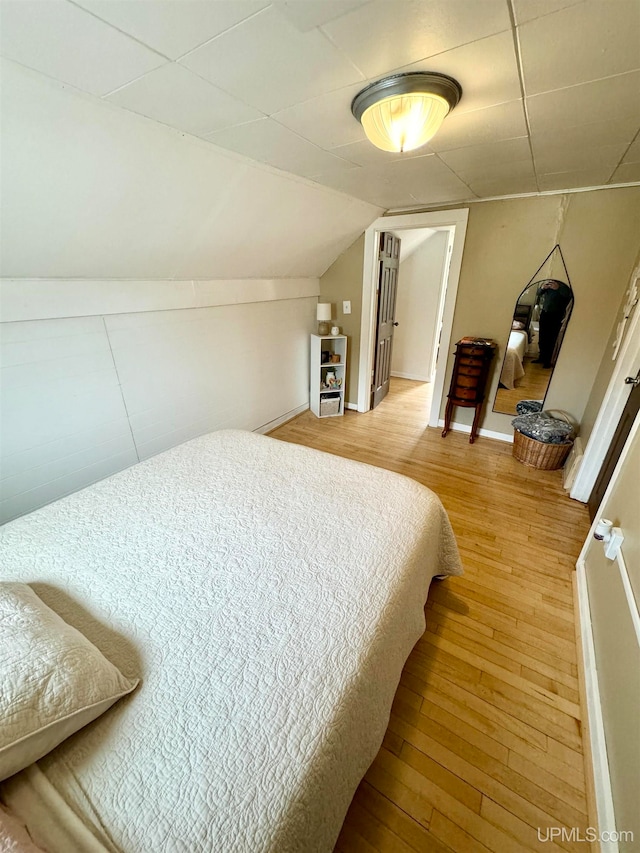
(538, 327)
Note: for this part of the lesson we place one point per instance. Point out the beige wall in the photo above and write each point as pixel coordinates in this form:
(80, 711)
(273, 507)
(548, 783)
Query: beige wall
(506, 242)
(616, 644)
(343, 281)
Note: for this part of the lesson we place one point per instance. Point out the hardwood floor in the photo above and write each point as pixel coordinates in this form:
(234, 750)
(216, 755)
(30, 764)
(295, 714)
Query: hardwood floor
(484, 745)
(532, 386)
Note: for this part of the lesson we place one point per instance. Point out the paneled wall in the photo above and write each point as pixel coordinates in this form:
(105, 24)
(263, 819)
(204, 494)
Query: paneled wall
(85, 396)
(155, 287)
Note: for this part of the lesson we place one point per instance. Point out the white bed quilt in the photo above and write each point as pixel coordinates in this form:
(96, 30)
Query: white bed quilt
(512, 368)
(267, 595)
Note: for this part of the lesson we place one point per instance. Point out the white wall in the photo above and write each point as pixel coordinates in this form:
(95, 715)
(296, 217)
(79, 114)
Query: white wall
(419, 279)
(155, 287)
(90, 190)
(613, 618)
(85, 396)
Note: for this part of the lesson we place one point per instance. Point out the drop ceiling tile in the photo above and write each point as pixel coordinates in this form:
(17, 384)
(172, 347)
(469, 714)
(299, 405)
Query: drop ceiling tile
(280, 66)
(269, 142)
(593, 135)
(460, 130)
(503, 186)
(334, 170)
(583, 158)
(173, 28)
(632, 154)
(368, 186)
(384, 35)
(615, 99)
(492, 154)
(486, 70)
(527, 10)
(365, 154)
(573, 179)
(518, 170)
(579, 44)
(67, 43)
(175, 96)
(327, 120)
(312, 13)
(626, 173)
(427, 179)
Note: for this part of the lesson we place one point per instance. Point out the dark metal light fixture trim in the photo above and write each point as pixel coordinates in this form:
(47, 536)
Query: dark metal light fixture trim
(405, 84)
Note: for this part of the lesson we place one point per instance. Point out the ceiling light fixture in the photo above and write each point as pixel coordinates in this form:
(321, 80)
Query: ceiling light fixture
(404, 111)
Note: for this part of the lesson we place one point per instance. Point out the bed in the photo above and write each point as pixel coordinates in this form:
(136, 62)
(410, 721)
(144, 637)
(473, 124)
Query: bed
(512, 367)
(267, 596)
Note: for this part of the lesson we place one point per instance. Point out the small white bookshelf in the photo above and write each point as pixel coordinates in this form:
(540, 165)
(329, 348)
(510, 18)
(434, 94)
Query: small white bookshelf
(328, 375)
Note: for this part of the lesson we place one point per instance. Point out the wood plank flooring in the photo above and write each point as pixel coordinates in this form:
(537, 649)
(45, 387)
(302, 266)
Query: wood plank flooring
(484, 746)
(532, 386)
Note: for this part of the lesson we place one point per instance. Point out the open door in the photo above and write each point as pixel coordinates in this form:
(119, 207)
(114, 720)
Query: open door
(629, 414)
(388, 263)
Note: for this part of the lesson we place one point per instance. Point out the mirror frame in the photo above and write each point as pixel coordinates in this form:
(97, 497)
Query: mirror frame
(559, 337)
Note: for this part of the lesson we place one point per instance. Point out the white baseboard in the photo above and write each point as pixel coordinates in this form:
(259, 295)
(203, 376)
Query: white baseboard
(352, 406)
(573, 463)
(281, 420)
(602, 780)
(410, 376)
(487, 433)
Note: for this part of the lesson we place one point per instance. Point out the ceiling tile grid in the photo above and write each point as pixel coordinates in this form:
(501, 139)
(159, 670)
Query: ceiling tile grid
(549, 102)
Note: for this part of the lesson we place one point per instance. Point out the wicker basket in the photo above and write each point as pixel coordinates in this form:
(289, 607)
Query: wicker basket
(539, 454)
(329, 406)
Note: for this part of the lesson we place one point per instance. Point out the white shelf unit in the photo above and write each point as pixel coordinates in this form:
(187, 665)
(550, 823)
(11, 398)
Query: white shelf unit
(326, 401)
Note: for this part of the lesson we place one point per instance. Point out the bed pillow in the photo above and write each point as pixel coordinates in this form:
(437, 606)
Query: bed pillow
(53, 681)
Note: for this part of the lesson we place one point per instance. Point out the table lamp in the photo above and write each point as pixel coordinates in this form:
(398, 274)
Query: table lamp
(324, 317)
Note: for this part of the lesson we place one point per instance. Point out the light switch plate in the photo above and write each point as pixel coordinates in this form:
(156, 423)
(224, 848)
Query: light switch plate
(346, 307)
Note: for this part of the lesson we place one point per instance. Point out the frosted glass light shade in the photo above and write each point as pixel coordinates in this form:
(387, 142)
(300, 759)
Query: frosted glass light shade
(404, 122)
(403, 112)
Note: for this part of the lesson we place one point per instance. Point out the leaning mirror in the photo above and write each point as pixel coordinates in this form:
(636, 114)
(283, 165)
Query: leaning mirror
(538, 325)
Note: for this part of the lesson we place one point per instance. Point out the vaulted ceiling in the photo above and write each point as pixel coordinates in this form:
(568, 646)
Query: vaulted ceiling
(551, 88)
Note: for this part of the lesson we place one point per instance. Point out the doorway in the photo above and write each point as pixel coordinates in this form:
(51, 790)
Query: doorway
(627, 364)
(627, 419)
(423, 257)
(454, 222)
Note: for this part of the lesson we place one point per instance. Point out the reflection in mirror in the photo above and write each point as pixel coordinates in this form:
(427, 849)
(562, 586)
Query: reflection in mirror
(537, 330)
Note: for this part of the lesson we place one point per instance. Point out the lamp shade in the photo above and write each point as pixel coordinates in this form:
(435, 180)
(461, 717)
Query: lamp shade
(324, 312)
(404, 122)
(403, 112)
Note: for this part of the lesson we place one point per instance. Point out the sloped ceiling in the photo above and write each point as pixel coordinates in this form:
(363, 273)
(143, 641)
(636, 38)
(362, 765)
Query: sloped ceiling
(551, 87)
(90, 191)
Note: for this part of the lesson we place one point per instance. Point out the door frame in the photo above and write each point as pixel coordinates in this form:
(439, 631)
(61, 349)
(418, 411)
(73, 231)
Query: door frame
(453, 221)
(613, 403)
